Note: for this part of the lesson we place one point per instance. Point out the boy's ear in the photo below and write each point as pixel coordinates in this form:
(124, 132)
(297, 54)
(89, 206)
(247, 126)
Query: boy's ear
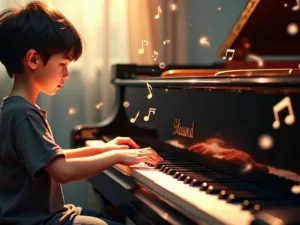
(32, 59)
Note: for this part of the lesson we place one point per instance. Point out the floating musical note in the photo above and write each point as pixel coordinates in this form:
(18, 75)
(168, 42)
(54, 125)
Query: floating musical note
(151, 110)
(149, 89)
(132, 120)
(159, 12)
(166, 42)
(141, 50)
(229, 51)
(297, 6)
(155, 55)
(290, 118)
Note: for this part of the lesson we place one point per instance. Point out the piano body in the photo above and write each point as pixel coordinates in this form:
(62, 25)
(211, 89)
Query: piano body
(229, 134)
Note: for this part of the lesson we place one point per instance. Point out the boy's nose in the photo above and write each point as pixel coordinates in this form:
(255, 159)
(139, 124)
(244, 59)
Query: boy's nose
(66, 76)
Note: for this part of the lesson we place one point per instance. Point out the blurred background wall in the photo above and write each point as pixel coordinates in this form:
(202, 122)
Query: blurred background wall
(113, 31)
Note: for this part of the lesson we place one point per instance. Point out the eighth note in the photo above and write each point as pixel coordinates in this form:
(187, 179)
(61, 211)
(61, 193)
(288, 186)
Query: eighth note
(290, 118)
(141, 50)
(159, 12)
(229, 51)
(149, 96)
(132, 120)
(155, 55)
(151, 110)
(297, 6)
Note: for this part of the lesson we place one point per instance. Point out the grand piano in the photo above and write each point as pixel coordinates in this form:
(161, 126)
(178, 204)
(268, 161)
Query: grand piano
(228, 133)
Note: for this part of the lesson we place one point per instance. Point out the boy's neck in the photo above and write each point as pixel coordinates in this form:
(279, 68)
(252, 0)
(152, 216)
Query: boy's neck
(25, 88)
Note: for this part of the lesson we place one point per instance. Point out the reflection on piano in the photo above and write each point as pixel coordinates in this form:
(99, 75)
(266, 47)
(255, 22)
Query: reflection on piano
(224, 161)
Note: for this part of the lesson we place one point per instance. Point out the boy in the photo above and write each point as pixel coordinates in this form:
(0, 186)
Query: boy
(36, 45)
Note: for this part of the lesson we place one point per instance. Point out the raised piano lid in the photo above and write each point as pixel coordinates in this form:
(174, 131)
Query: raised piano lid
(262, 29)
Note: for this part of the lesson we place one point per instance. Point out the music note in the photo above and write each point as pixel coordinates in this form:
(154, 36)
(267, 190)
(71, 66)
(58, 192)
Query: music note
(297, 6)
(151, 110)
(149, 96)
(155, 55)
(159, 12)
(290, 118)
(132, 120)
(229, 51)
(141, 50)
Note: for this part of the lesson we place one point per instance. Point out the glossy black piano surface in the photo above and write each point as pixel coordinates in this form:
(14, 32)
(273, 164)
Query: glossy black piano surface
(232, 137)
(229, 139)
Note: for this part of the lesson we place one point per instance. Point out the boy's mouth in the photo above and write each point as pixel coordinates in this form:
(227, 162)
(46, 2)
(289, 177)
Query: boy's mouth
(59, 86)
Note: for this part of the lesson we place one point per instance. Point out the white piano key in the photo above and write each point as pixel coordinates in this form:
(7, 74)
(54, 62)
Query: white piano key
(190, 200)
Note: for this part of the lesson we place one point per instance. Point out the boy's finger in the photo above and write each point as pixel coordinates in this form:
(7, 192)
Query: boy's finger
(128, 141)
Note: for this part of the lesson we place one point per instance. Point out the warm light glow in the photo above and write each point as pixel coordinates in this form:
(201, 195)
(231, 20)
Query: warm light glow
(259, 60)
(292, 29)
(126, 104)
(98, 106)
(265, 142)
(162, 65)
(72, 111)
(204, 42)
(219, 9)
(173, 7)
(247, 168)
(295, 189)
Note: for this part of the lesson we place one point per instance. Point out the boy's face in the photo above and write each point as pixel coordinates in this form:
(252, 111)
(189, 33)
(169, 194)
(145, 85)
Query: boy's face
(50, 78)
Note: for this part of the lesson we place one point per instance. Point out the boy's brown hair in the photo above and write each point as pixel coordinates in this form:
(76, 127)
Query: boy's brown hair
(35, 26)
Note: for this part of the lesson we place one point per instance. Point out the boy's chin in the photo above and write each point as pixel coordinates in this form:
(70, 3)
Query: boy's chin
(50, 93)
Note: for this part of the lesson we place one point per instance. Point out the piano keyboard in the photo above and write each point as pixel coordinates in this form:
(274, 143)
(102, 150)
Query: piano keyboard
(208, 189)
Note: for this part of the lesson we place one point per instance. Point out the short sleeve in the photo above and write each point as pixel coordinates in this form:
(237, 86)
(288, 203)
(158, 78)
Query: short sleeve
(35, 145)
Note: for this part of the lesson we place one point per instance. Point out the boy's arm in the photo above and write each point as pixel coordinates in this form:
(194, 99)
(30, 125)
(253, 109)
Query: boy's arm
(117, 143)
(84, 151)
(69, 170)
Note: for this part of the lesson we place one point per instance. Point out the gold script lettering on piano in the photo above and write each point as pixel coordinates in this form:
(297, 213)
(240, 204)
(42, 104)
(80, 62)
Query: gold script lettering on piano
(290, 118)
(183, 131)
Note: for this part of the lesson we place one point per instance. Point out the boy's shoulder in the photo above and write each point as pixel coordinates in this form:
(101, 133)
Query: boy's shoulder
(16, 107)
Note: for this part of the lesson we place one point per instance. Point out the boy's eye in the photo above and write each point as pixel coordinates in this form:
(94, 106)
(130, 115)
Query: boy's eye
(62, 64)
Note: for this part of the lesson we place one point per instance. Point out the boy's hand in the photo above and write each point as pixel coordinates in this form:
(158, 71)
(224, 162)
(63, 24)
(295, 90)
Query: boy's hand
(120, 143)
(135, 156)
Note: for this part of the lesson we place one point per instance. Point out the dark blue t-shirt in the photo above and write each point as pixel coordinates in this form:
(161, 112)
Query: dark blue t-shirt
(28, 195)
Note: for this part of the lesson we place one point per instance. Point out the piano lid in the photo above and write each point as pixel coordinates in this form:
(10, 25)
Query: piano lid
(265, 28)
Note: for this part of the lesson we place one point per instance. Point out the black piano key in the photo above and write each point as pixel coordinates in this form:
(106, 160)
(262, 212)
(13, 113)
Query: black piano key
(216, 188)
(171, 170)
(239, 196)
